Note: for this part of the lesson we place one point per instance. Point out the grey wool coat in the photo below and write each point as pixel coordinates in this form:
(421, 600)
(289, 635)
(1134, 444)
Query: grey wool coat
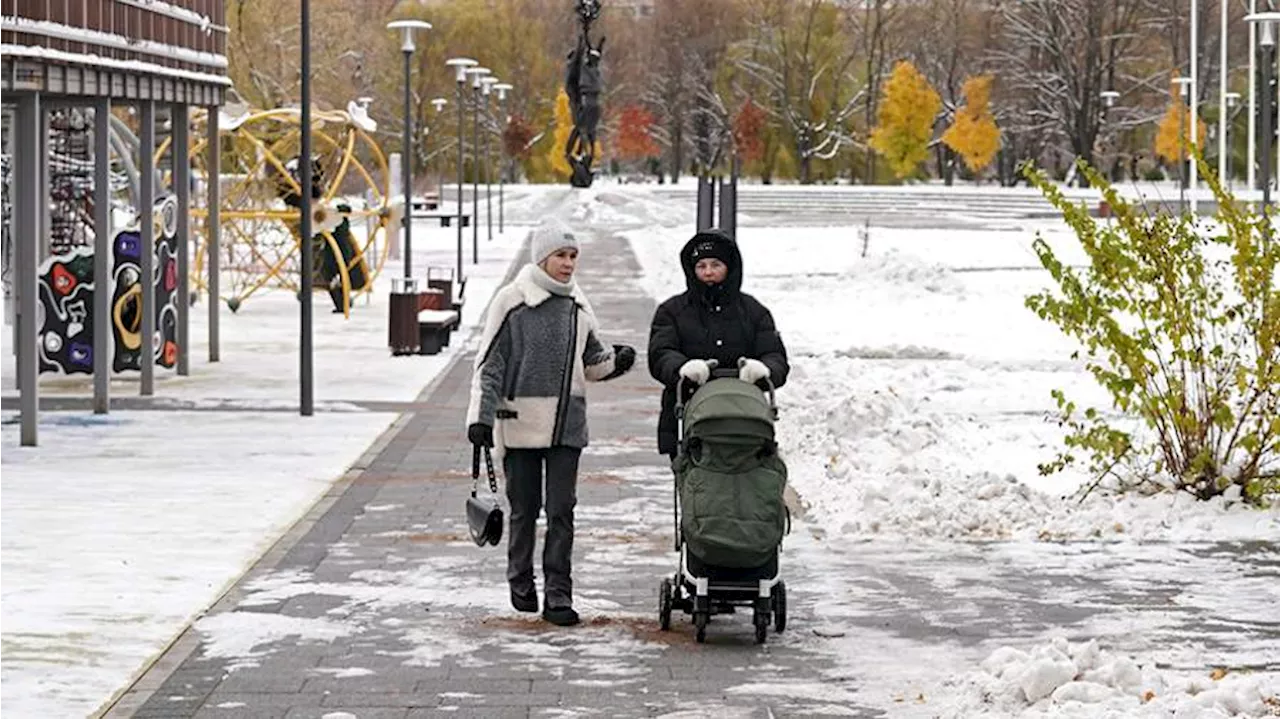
(538, 350)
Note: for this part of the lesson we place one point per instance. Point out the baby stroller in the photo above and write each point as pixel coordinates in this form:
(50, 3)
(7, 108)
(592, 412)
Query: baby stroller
(730, 516)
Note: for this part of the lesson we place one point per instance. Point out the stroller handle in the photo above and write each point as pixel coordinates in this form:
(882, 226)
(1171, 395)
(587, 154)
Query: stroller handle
(723, 373)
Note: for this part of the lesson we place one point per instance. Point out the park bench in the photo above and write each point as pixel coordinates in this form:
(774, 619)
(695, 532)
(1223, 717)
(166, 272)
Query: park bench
(423, 321)
(426, 202)
(446, 220)
(438, 319)
(435, 327)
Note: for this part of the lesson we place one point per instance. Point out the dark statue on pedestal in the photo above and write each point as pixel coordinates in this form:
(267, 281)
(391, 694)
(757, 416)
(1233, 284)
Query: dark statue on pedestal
(583, 84)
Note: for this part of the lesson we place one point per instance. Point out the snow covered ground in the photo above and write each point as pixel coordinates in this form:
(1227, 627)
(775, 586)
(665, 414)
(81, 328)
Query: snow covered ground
(914, 419)
(920, 386)
(119, 530)
(912, 425)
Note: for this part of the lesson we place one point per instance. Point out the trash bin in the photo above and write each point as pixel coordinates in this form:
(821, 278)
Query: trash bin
(403, 325)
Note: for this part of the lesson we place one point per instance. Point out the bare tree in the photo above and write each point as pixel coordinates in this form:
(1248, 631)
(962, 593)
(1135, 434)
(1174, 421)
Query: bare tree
(1057, 56)
(801, 54)
(877, 31)
(691, 40)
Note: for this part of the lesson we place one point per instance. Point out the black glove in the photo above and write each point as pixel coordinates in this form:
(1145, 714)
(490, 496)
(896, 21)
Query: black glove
(481, 435)
(624, 356)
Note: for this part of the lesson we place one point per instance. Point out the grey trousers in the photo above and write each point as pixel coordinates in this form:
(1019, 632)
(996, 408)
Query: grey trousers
(524, 473)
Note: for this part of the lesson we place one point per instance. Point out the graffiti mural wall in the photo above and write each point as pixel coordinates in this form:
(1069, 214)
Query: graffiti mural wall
(65, 286)
(6, 238)
(166, 281)
(66, 302)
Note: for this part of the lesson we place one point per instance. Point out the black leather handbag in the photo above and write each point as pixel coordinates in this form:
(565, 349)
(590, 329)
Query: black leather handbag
(484, 514)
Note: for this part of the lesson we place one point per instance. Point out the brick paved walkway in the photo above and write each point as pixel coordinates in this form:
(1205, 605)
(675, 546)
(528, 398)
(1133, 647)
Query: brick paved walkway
(380, 606)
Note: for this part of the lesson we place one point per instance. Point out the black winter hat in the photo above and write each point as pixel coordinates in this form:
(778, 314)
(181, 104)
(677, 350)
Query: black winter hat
(711, 248)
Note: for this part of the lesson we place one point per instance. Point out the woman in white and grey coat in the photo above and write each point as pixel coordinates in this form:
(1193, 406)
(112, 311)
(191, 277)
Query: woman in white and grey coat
(528, 398)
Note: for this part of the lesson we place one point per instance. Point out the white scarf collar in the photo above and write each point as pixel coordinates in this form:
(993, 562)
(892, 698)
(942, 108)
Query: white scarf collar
(551, 284)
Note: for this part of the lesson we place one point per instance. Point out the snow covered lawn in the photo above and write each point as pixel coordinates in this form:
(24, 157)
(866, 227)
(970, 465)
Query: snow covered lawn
(119, 530)
(920, 387)
(913, 424)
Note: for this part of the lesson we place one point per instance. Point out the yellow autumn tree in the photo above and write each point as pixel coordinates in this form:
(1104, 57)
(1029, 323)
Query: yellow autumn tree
(974, 134)
(564, 126)
(905, 120)
(1175, 129)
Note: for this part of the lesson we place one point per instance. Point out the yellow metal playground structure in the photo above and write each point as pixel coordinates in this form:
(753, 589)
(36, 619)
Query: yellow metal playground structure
(260, 245)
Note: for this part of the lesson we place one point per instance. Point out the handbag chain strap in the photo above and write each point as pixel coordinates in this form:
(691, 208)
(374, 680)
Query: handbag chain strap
(475, 470)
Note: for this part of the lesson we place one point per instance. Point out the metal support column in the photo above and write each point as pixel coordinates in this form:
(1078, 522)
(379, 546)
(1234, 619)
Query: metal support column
(147, 262)
(706, 202)
(475, 177)
(1269, 58)
(213, 229)
(102, 238)
(1194, 124)
(30, 195)
(306, 403)
(728, 211)
(461, 160)
(406, 160)
(182, 188)
(42, 166)
(488, 176)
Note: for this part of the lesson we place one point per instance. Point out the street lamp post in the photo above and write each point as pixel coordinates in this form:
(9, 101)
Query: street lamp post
(1251, 142)
(1193, 97)
(406, 220)
(1223, 101)
(460, 65)
(306, 344)
(1108, 101)
(1267, 41)
(476, 74)
(1183, 83)
(502, 89)
(486, 84)
(439, 103)
(1232, 99)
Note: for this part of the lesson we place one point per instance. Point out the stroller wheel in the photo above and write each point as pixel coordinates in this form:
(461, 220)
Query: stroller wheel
(664, 605)
(700, 626)
(760, 618)
(780, 607)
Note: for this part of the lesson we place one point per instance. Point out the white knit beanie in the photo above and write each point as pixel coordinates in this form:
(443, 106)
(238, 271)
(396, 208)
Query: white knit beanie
(550, 235)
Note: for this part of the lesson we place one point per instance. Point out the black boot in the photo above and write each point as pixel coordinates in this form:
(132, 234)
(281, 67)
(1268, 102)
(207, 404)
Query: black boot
(526, 601)
(560, 616)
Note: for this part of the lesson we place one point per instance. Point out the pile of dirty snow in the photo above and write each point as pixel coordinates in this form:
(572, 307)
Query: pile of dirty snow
(1059, 679)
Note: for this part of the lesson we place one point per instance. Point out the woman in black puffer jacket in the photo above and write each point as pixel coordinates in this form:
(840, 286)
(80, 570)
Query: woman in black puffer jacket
(712, 319)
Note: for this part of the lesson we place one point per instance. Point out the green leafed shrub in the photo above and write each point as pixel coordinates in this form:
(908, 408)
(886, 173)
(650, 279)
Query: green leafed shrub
(1179, 320)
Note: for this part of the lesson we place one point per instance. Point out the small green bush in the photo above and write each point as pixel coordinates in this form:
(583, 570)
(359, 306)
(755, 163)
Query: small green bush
(1179, 320)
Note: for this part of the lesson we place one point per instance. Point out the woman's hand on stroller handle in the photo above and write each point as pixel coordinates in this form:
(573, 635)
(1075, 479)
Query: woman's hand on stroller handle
(697, 371)
(752, 370)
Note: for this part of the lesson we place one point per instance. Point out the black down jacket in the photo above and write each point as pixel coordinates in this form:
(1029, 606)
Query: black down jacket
(720, 323)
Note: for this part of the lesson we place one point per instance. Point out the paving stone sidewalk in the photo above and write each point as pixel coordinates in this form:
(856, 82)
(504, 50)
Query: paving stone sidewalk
(381, 607)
